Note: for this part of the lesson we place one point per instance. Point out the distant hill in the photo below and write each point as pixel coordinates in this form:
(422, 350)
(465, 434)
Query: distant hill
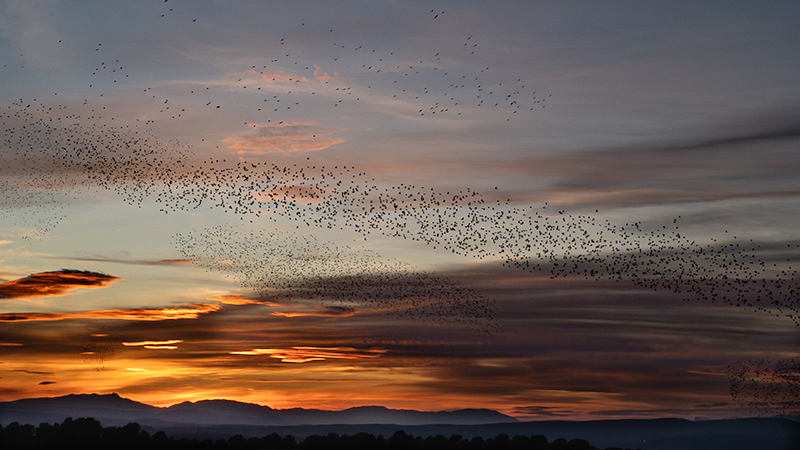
(215, 419)
(113, 410)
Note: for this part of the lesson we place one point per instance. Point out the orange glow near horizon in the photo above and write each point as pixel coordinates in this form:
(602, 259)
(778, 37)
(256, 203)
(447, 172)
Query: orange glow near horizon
(152, 343)
(362, 374)
(190, 311)
(308, 354)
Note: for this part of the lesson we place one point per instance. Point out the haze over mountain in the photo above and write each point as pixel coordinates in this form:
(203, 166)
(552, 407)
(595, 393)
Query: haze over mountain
(113, 410)
(215, 419)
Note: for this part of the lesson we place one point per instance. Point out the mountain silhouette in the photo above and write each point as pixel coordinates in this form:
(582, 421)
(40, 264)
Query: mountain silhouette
(214, 419)
(111, 409)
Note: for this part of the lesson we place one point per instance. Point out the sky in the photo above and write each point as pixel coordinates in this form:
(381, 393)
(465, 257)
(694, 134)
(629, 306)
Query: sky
(557, 210)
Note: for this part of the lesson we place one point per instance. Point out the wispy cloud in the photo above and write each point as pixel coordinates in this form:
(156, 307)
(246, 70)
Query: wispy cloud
(541, 411)
(32, 372)
(190, 311)
(308, 354)
(279, 77)
(239, 299)
(324, 77)
(53, 284)
(328, 311)
(142, 262)
(284, 137)
(151, 343)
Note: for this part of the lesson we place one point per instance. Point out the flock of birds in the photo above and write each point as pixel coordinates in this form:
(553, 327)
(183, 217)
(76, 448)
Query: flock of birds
(46, 157)
(769, 385)
(97, 352)
(286, 266)
(53, 155)
(293, 79)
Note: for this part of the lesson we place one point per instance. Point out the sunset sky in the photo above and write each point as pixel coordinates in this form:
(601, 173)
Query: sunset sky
(571, 210)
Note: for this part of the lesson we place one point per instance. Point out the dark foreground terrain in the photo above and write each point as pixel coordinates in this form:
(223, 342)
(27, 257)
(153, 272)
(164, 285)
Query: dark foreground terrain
(89, 434)
(118, 423)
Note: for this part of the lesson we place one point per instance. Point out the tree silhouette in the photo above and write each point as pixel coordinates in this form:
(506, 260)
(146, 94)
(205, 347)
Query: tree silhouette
(89, 434)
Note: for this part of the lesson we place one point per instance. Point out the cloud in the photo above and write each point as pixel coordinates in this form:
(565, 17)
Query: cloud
(308, 354)
(190, 311)
(544, 411)
(728, 161)
(155, 345)
(32, 372)
(239, 299)
(279, 77)
(312, 311)
(146, 343)
(46, 382)
(328, 311)
(285, 137)
(287, 266)
(324, 77)
(713, 405)
(157, 262)
(53, 284)
(766, 132)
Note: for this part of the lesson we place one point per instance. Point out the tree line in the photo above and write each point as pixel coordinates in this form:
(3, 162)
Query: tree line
(89, 434)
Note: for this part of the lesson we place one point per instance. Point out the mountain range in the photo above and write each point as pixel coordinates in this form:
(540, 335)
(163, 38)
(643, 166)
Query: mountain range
(113, 410)
(213, 419)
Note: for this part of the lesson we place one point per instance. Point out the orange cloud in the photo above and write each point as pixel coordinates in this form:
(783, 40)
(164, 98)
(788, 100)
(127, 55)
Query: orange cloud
(239, 299)
(176, 261)
(307, 354)
(323, 77)
(279, 77)
(190, 311)
(336, 311)
(152, 343)
(53, 284)
(285, 137)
